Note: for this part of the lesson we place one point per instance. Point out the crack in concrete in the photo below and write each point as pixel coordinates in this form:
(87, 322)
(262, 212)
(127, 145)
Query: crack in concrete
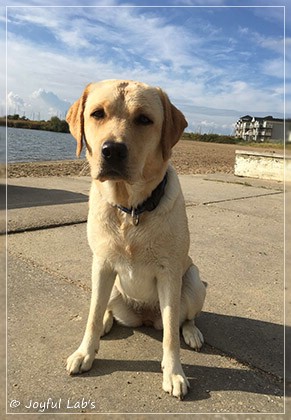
(241, 198)
(205, 203)
(46, 227)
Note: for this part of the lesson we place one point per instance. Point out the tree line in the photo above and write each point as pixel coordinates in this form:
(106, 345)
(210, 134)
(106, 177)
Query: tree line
(54, 124)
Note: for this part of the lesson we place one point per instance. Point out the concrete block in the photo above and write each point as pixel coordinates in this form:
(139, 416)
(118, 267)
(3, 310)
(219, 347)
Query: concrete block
(262, 165)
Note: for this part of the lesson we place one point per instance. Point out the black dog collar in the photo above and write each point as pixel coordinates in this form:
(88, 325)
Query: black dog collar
(148, 205)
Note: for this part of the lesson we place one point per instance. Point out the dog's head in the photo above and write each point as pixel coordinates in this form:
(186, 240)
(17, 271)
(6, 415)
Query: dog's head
(129, 129)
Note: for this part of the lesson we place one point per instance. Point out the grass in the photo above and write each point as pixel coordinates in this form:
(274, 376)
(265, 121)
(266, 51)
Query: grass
(218, 138)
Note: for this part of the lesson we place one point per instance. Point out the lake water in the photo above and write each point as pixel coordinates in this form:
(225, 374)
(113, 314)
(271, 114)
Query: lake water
(35, 145)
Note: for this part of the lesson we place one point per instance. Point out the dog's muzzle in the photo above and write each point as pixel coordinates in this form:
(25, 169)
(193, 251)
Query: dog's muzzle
(114, 160)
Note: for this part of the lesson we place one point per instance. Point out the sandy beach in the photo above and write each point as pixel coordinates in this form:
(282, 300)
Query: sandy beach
(188, 158)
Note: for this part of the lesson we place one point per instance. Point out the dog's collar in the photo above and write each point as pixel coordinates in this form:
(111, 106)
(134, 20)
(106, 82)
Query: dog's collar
(149, 204)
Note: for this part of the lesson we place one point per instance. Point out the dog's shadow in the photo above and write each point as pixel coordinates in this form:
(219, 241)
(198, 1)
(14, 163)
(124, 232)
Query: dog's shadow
(241, 338)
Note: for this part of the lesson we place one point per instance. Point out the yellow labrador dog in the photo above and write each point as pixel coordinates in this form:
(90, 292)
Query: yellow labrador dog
(137, 225)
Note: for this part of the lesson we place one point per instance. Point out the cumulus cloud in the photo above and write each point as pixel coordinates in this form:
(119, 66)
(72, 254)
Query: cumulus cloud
(51, 101)
(15, 104)
(41, 104)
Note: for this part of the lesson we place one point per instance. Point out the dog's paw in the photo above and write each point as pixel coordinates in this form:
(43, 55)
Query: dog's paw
(192, 335)
(175, 384)
(79, 362)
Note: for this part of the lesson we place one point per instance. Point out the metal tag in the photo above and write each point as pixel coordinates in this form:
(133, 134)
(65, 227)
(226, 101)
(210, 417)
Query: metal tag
(135, 218)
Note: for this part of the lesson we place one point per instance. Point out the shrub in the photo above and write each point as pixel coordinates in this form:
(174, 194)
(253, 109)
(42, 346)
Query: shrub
(211, 138)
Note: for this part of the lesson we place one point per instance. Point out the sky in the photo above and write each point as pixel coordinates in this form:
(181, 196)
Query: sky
(216, 62)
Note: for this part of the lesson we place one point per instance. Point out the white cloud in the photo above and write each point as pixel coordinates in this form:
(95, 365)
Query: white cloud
(274, 68)
(275, 44)
(38, 105)
(152, 38)
(15, 104)
(212, 126)
(123, 43)
(51, 99)
(270, 14)
(65, 76)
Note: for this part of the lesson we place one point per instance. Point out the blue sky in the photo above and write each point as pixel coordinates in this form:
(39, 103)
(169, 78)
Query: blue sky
(217, 63)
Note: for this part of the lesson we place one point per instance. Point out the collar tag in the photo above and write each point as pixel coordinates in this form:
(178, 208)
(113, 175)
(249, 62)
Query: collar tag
(135, 218)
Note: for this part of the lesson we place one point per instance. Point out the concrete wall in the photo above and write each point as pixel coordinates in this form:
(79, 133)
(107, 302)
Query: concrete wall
(262, 165)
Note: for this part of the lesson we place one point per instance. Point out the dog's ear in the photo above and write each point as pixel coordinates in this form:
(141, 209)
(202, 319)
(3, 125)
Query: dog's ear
(173, 125)
(75, 119)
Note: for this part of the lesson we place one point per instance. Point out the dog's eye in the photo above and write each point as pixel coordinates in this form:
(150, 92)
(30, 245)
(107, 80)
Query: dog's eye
(143, 120)
(99, 114)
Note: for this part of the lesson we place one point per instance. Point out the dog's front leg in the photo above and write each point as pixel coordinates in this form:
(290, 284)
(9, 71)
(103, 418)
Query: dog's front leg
(169, 291)
(102, 282)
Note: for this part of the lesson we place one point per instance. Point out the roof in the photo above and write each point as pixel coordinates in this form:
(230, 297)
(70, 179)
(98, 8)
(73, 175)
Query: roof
(267, 118)
(246, 118)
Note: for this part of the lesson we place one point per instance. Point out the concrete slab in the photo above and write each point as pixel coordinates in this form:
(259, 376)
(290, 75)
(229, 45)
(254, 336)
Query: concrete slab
(201, 190)
(268, 207)
(63, 251)
(237, 240)
(35, 203)
(34, 218)
(246, 294)
(243, 264)
(248, 182)
(46, 318)
(47, 185)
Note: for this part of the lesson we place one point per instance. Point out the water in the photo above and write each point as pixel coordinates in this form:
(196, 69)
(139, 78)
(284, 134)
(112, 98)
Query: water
(25, 145)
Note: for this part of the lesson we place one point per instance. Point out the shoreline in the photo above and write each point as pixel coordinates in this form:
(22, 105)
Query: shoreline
(63, 168)
(188, 158)
(48, 168)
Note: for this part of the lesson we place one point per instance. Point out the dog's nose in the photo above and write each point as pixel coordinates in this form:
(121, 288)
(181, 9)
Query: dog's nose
(114, 152)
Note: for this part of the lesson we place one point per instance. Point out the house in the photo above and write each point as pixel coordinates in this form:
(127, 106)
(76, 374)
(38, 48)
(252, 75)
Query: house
(263, 129)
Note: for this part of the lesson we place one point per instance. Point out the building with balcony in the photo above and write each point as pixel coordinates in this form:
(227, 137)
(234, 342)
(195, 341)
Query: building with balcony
(263, 129)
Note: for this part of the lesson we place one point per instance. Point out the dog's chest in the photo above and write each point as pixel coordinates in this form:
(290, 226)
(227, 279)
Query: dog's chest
(137, 265)
(135, 253)
(137, 282)
(132, 251)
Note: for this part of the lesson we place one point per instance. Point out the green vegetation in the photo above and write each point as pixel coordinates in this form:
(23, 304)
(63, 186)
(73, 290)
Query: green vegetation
(54, 124)
(212, 138)
(220, 138)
